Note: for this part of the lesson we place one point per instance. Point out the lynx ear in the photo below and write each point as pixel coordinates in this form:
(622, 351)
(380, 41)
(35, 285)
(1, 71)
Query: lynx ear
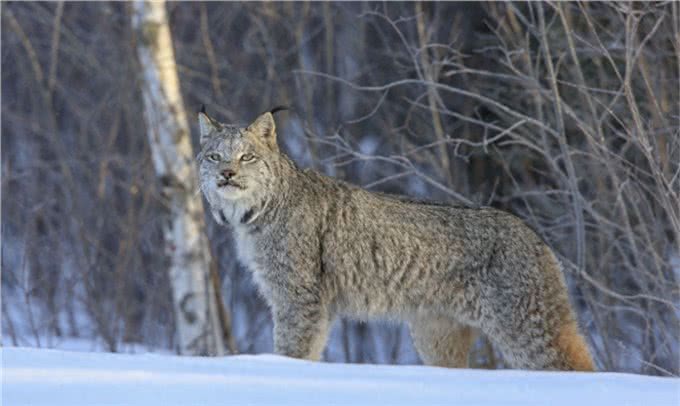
(207, 125)
(265, 127)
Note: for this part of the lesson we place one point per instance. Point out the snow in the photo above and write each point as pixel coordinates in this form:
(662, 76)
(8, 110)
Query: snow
(54, 377)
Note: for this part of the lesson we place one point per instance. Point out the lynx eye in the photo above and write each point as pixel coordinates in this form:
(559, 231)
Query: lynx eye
(214, 157)
(247, 157)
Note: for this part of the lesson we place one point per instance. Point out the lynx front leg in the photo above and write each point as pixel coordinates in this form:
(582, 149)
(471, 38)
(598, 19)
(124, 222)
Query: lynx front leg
(301, 330)
(441, 341)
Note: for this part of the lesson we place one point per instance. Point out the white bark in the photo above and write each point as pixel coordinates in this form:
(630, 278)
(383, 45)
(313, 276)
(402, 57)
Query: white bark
(196, 312)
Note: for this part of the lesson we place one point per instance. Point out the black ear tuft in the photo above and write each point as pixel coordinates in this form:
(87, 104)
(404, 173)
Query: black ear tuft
(203, 109)
(279, 108)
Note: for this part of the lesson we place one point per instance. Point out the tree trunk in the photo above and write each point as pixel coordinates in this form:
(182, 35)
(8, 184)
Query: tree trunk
(196, 300)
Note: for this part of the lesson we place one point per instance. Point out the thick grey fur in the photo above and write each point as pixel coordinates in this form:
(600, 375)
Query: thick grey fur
(321, 248)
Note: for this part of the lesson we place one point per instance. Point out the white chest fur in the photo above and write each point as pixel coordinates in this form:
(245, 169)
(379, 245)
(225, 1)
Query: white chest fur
(246, 248)
(251, 256)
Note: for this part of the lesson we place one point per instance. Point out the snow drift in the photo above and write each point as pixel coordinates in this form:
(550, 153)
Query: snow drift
(50, 377)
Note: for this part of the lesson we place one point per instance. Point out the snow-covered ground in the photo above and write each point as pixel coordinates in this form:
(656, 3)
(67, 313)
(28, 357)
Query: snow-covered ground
(33, 376)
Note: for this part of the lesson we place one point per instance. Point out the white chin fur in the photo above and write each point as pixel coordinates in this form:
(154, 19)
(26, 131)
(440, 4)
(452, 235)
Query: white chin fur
(230, 192)
(231, 204)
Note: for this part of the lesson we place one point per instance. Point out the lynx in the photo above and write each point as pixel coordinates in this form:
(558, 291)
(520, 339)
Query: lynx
(320, 248)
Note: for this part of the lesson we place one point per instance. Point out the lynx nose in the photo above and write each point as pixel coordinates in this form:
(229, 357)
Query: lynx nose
(228, 173)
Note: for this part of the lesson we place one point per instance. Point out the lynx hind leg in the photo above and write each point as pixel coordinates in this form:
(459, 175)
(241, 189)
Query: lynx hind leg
(573, 350)
(540, 331)
(441, 341)
(540, 349)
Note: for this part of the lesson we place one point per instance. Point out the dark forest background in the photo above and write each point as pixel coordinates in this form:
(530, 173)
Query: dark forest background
(567, 114)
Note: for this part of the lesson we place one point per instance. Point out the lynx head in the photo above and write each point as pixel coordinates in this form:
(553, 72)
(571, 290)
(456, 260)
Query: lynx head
(239, 167)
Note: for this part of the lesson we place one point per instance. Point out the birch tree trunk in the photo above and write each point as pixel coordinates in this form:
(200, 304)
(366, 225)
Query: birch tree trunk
(197, 307)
